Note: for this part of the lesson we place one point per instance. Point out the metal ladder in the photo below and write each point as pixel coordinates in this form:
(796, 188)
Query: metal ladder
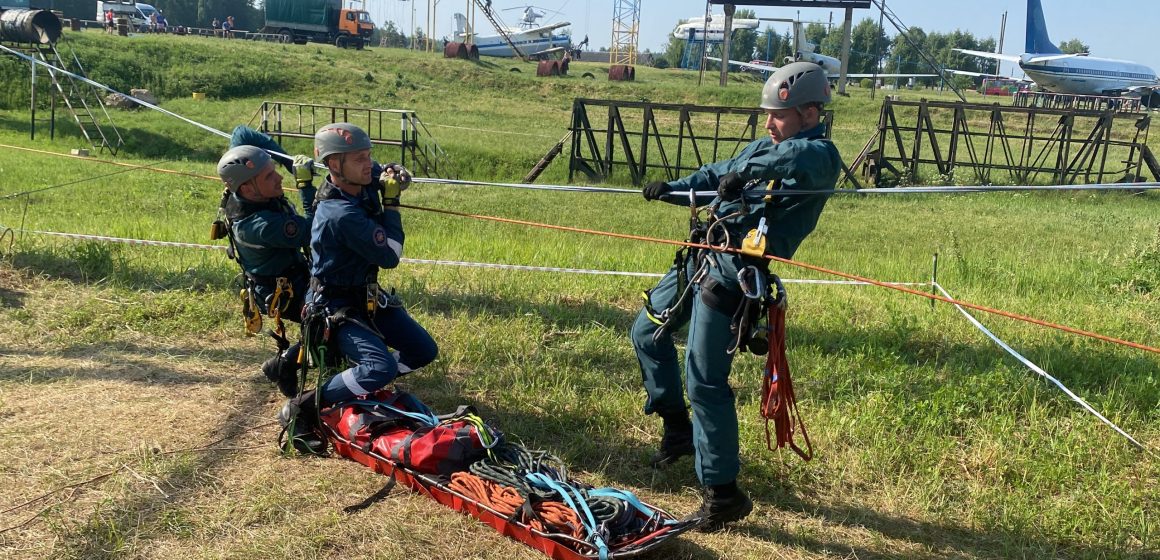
(82, 99)
(499, 28)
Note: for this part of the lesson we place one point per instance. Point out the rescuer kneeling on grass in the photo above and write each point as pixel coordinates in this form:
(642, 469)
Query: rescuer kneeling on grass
(357, 230)
(268, 239)
(710, 290)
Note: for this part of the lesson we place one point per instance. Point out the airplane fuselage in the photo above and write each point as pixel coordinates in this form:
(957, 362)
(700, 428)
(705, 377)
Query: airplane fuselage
(1086, 75)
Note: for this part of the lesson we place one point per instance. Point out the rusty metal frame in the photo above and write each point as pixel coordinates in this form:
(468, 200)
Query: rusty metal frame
(646, 138)
(1067, 145)
(386, 127)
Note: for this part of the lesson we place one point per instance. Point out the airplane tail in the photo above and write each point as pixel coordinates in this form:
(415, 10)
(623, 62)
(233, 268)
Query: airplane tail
(460, 24)
(1037, 40)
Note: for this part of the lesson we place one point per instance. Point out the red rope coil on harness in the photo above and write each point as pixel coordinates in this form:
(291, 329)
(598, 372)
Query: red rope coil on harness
(778, 404)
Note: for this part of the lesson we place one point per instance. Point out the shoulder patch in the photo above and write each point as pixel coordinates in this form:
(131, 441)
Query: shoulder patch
(290, 228)
(380, 236)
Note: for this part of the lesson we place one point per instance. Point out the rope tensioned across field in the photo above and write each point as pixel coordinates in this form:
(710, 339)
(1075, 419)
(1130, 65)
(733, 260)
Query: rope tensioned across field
(851, 278)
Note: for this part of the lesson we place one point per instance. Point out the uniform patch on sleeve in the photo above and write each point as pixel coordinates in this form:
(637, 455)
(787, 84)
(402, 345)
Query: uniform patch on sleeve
(380, 237)
(290, 229)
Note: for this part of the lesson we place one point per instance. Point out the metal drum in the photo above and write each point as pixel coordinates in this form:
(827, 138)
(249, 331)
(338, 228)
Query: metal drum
(29, 26)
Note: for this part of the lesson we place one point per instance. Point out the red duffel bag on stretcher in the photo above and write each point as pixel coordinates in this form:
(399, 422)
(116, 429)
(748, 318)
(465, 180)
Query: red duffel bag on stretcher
(396, 425)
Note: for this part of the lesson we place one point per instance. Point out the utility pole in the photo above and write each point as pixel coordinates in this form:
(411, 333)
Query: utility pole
(1002, 32)
(730, 9)
(878, 47)
(847, 25)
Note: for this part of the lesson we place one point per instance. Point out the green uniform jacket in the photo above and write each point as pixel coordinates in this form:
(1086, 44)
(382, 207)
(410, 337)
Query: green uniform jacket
(807, 161)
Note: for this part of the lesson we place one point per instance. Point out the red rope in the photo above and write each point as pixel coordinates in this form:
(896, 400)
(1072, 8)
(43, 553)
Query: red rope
(911, 291)
(778, 403)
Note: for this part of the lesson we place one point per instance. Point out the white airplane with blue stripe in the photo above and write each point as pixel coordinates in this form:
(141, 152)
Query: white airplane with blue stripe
(1078, 74)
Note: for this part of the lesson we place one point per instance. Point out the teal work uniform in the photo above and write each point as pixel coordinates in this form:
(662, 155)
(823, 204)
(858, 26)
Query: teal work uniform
(807, 161)
(269, 237)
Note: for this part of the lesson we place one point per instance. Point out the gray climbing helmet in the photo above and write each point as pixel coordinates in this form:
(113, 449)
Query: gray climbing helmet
(241, 164)
(339, 138)
(795, 84)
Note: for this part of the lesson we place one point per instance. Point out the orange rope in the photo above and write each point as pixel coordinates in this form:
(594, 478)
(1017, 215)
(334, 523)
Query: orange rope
(86, 158)
(911, 291)
(506, 500)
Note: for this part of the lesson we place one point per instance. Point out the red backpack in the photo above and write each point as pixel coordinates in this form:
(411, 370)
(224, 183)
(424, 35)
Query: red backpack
(397, 426)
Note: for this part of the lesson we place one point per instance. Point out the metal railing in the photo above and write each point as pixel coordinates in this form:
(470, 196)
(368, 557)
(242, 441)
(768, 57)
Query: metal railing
(400, 128)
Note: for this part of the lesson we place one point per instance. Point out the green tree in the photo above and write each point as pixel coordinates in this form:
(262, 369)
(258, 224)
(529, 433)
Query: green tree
(867, 42)
(675, 49)
(815, 33)
(743, 41)
(1074, 46)
(773, 47)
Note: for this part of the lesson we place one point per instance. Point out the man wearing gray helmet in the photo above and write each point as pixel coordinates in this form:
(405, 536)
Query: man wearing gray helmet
(267, 237)
(357, 230)
(709, 290)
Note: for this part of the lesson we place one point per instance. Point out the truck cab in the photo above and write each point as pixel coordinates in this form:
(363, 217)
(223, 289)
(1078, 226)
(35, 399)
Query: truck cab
(357, 23)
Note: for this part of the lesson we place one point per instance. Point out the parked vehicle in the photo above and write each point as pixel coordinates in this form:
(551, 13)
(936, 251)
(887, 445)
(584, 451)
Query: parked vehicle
(136, 12)
(321, 21)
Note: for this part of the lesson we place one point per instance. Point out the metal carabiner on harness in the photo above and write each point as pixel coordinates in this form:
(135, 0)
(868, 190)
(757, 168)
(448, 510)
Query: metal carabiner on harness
(372, 298)
(753, 282)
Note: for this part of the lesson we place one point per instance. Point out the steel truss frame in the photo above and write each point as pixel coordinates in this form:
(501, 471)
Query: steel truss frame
(1070, 146)
(643, 138)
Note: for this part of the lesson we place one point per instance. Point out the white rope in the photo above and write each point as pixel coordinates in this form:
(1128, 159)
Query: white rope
(941, 189)
(52, 68)
(441, 262)
(575, 188)
(568, 188)
(1031, 365)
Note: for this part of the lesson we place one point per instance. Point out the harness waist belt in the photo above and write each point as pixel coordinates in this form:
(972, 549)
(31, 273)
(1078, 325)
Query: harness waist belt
(289, 273)
(331, 291)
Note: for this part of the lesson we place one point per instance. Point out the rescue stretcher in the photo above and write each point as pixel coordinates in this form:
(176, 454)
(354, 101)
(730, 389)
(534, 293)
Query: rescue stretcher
(659, 527)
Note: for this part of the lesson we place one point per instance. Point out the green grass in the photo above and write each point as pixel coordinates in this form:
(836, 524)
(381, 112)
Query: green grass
(931, 442)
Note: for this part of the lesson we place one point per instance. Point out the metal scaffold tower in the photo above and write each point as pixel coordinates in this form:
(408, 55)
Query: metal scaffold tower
(625, 31)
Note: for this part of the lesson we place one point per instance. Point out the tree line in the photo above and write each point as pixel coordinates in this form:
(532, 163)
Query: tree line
(870, 47)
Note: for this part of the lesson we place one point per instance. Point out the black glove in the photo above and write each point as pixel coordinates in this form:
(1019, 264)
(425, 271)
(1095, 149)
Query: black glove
(655, 190)
(730, 187)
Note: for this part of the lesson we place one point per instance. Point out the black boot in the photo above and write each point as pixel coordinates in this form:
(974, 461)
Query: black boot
(299, 419)
(677, 440)
(282, 369)
(722, 504)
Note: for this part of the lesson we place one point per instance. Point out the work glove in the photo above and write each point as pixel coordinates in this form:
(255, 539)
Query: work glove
(395, 179)
(655, 190)
(730, 187)
(303, 169)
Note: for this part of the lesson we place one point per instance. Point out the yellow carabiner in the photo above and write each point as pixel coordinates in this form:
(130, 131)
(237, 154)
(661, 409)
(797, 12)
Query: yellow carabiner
(251, 313)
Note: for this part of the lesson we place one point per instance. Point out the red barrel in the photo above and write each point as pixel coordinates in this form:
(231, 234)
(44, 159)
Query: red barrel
(455, 49)
(548, 68)
(622, 73)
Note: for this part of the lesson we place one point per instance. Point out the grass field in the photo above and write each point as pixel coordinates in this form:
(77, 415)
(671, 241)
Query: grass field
(931, 442)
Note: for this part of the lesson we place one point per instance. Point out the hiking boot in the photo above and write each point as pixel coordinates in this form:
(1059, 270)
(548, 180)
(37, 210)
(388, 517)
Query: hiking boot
(676, 442)
(722, 504)
(299, 419)
(282, 370)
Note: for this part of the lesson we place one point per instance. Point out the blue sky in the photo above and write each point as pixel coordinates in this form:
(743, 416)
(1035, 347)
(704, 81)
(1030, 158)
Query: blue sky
(1123, 29)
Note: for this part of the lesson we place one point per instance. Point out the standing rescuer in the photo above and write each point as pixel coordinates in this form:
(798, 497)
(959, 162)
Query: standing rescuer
(715, 292)
(267, 238)
(357, 230)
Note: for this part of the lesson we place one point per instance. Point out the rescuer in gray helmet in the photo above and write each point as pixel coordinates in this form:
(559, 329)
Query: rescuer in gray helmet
(268, 238)
(709, 290)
